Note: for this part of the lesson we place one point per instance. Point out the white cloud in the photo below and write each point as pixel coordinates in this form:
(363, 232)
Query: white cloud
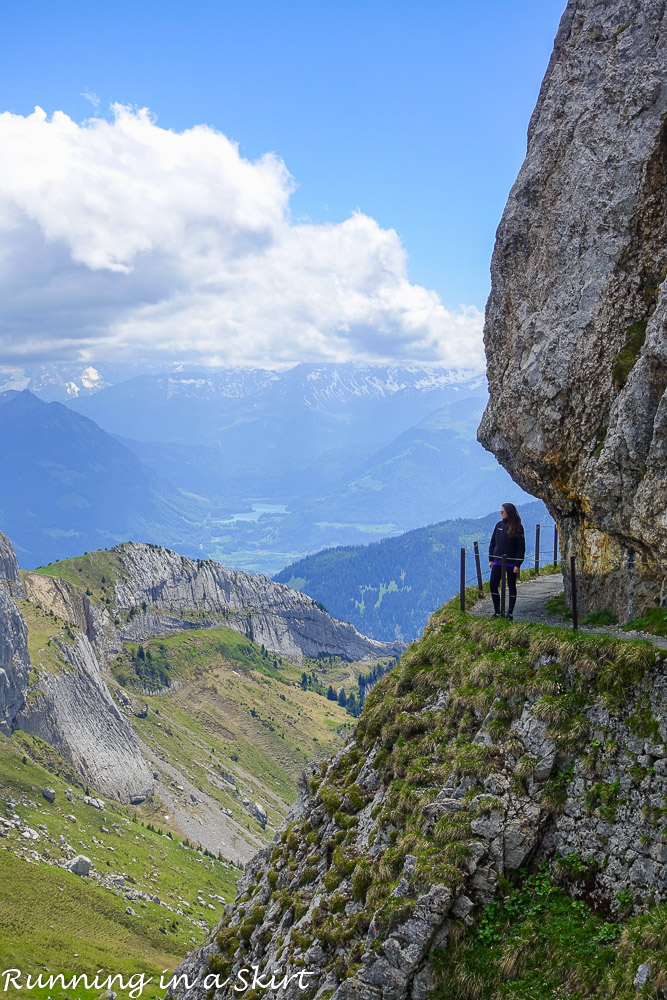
(119, 238)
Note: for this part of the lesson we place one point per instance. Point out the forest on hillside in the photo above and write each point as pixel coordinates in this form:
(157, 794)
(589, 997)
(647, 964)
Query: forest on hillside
(388, 589)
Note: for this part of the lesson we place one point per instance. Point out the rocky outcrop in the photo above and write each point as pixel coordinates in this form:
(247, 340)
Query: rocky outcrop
(14, 656)
(480, 752)
(14, 662)
(72, 605)
(575, 323)
(9, 569)
(158, 591)
(65, 700)
(73, 711)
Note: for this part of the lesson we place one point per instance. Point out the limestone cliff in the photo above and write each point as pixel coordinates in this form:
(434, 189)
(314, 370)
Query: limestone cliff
(59, 693)
(14, 661)
(575, 323)
(14, 656)
(72, 709)
(9, 568)
(152, 591)
(486, 748)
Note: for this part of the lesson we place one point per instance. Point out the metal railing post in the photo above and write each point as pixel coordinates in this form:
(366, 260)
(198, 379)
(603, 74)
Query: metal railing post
(463, 579)
(478, 567)
(573, 591)
(555, 545)
(537, 550)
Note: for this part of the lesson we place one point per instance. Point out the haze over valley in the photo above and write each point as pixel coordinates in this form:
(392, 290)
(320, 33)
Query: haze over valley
(252, 467)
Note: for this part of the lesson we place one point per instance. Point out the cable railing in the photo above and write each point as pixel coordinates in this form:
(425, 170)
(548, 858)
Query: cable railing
(482, 576)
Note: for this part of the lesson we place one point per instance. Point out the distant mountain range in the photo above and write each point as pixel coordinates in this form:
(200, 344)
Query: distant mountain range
(388, 589)
(307, 410)
(252, 467)
(64, 381)
(324, 454)
(67, 485)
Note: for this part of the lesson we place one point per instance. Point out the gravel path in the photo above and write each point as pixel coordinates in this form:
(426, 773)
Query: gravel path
(532, 596)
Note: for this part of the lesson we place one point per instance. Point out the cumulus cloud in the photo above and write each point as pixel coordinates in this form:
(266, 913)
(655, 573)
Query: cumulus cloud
(119, 238)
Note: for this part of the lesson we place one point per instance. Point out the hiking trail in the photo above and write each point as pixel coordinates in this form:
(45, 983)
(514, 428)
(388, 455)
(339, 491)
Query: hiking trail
(532, 596)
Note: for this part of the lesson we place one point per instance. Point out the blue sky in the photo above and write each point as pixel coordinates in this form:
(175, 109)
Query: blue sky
(413, 113)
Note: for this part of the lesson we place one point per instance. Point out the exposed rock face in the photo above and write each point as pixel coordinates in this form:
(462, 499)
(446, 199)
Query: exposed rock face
(71, 709)
(285, 621)
(14, 657)
(575, 323)
(446, 787)
(9, 568)
(14, 661)
(72, 605)
(74, 712)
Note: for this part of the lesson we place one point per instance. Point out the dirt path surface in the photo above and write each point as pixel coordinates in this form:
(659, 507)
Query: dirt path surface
(532, 596)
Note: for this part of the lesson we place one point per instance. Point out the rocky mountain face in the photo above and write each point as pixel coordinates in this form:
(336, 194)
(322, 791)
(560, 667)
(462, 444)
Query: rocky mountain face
(73, 711)
(14, 657)
(156, 591)
(57, 638)
(488, 748)
(9, 568)
(575, 323)
(60, 695)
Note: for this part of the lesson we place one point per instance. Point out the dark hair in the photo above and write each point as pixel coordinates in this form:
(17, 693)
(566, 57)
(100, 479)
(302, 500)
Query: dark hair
(514, 525)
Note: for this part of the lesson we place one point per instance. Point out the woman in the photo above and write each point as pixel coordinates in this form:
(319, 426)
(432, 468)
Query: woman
(507, 540)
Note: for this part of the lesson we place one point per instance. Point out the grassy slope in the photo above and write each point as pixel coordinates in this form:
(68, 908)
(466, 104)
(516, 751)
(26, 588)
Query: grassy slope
(206, 726)
(95, 571)
(534, 942)
(229, 711)
(44, 629)
(52, 919)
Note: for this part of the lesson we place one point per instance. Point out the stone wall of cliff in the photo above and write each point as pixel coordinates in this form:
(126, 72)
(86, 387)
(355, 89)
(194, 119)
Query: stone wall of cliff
(9, 568)
(14, 656)
(575, 323)
(14, 661)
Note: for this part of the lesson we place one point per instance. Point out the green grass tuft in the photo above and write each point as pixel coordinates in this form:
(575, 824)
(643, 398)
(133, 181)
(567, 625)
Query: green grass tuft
(559, 607)
(653, 621)
(627, 357)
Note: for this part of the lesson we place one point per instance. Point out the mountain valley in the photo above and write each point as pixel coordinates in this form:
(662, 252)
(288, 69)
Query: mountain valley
(170, 706)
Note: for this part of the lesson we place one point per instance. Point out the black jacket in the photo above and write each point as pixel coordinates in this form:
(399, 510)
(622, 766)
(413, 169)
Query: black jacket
(502, 544)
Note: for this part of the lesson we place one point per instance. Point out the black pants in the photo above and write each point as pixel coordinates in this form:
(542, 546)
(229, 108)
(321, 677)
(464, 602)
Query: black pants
(511, 577)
